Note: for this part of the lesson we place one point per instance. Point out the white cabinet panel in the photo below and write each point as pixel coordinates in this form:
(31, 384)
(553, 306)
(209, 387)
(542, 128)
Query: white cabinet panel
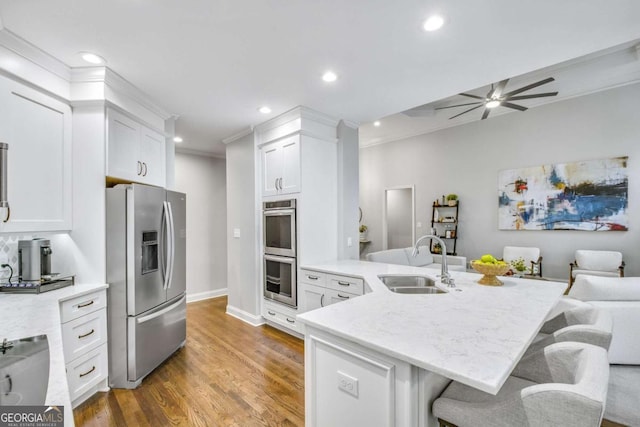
(152, 156)
(123, 139)
(332, 296)
(317, 289)
(135, 152)
(281, 167)
(38, 131)
(310, 297)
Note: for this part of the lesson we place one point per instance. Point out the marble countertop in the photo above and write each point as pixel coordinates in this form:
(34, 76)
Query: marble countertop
(473, 334)
(26, 315)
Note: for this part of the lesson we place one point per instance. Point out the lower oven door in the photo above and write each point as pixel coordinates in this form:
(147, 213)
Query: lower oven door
(280, 279)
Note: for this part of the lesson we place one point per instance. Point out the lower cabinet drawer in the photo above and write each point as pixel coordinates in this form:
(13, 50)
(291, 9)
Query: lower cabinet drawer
(83, 334)
(87, 371)
(274, 314)
(331, 296)
(79, 306)
(346, 284)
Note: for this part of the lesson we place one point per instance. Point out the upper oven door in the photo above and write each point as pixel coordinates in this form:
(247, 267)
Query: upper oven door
(280, 232)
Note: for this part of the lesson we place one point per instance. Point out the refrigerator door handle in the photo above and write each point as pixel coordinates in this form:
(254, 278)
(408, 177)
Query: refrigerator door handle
(166, 219)
(172, 247)
(159, 313)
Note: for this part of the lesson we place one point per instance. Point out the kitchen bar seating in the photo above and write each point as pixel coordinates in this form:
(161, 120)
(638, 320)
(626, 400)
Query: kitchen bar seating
(587, 324)
(564, 384)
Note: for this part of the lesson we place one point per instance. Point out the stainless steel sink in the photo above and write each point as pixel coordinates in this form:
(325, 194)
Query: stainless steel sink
(417, 290)
(411, 284)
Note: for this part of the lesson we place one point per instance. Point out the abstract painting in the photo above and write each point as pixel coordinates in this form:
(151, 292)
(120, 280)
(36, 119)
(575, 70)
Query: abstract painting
(590, 196)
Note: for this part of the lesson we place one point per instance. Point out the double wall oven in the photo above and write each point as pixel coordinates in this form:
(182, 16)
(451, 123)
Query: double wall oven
(280, 251)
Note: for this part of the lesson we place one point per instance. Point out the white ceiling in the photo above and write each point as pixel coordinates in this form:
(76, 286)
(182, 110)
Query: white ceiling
(214, 62)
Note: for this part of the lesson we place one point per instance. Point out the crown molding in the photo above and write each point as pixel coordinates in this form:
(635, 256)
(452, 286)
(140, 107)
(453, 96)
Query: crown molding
(238, 135)
(299, 112)
(193, 152)
(33, 53)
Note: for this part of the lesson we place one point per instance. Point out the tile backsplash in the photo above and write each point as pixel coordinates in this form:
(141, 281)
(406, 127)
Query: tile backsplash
(9, 254)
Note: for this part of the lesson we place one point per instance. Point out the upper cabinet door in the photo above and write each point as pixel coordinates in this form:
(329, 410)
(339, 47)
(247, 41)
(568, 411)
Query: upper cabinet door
(152, 157)
(281, 167)
(135, 152)
(290, 182)
(271, 169)
(123, 136)
(38, 131)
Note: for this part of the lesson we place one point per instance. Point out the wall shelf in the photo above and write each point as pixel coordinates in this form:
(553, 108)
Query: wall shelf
(446, 230)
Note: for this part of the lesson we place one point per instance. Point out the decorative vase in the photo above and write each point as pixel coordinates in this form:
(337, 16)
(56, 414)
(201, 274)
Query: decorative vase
(452, 202)
(363, 236)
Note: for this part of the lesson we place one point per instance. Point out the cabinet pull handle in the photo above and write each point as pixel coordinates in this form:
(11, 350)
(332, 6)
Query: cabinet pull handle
(280, 183)
(313, 277)
(88, 372)
(87, 334)
(321, 298)
(343, 283)
(290, 321)
(342, 296)
(86, 304)
(145, 168)
(273, 313)
(275, 184)
(139, 167)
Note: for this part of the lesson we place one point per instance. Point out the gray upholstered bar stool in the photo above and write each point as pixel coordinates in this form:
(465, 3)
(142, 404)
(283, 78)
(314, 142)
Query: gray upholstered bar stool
(564, 384)
(587, 324)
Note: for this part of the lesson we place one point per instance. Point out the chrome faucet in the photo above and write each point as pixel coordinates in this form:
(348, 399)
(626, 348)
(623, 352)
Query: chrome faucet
(445, 277)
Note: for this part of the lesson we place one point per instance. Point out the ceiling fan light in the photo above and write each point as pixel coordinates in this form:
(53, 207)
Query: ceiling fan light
(492, 104)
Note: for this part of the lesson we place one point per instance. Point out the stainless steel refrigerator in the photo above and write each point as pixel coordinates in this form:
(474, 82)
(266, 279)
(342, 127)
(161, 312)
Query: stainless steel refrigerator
(146, 245)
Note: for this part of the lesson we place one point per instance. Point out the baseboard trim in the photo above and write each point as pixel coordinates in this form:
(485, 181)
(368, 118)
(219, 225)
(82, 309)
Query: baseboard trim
(249, 318)
(206, 295)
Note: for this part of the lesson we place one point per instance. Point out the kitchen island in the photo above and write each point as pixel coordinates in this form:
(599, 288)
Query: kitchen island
(27, 315)
(382, 358)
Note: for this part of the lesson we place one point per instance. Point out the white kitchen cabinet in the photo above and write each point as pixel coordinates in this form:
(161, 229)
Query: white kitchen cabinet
(84, 338)
(281, 167)
(317, 289)
(135, 152)
(281, 316)
(37, 128)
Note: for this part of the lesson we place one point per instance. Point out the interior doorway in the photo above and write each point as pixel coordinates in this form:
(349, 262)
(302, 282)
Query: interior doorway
(398, 217)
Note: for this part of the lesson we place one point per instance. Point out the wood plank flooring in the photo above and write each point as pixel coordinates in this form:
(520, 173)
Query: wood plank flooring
(228, 374)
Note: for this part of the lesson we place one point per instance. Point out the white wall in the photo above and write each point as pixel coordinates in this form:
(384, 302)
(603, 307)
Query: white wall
(348, 189)
(466, 159)
(244, 289)
(203, 179)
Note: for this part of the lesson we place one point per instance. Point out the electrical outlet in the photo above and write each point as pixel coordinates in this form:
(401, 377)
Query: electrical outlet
(349, 242)
(4, 258)
(419, 225)
(348, 383)
(236, 233)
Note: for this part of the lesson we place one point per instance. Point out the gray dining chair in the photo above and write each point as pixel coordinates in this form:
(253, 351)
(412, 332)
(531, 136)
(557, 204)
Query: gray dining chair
(564, 384)
(586, 324)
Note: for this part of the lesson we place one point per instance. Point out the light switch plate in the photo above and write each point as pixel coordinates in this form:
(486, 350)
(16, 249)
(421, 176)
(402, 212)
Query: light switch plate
(236, 233)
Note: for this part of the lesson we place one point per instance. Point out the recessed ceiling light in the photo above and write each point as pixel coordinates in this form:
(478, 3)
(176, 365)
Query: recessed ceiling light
(376, 123)
(264, 110)
(177, 139)
(92, 58)
(329, 76)
(492, 104)
(433, 23)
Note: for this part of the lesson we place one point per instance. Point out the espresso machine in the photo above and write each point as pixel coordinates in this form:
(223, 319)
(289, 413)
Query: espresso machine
(34, 260)
(34, 269)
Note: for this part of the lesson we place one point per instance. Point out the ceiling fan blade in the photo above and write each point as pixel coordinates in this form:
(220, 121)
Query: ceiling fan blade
(536, 95)
(459, 105)
(472, 96)
(466, 111)
(527, 87)
(514, 106)
(486, 113)
(497, 91)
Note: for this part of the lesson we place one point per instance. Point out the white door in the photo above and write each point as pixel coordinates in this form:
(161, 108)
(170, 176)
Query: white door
(38, 131)
(271, 168)
(290, 182)
(152, 156)
(123, 147)
(310, 297)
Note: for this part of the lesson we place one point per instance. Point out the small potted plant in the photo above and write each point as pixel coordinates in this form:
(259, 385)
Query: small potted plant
(452, 199)
(363, 232)
(519, 265)
(437, 248)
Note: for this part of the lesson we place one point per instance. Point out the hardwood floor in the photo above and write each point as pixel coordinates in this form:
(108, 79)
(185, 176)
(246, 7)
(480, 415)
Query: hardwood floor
(228, 374)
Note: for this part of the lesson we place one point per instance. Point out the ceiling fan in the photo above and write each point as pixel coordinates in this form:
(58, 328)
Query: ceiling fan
(496, 98)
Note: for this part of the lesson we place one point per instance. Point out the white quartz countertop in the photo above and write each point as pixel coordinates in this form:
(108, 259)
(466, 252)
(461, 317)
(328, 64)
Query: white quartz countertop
(474, 334)
(26, 315)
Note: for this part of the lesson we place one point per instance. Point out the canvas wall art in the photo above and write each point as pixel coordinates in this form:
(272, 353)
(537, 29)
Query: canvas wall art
(590, 195)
